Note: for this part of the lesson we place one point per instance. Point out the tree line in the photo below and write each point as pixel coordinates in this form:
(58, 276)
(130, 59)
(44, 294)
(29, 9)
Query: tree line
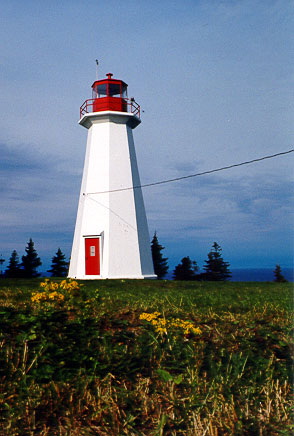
(28, 267)
(215, 268)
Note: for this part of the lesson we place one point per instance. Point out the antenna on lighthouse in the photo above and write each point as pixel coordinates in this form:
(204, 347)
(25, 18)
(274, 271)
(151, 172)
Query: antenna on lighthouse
(97, 63)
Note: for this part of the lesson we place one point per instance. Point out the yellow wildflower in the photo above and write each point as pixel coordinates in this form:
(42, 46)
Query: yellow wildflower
(54, 291)
(161, 325)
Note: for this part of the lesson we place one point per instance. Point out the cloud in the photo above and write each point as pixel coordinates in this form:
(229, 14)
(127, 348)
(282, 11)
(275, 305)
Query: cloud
(183, 167)
(213, 79)
(39, 199)
(229, 205)
(17, 160)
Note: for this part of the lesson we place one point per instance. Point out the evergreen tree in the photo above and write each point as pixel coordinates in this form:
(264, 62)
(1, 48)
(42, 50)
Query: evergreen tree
(159, 262)
(31, 261)
(59, 266)
(1, 263)
(13, 270)
(279, 278)
(186, 270)
(216, 269)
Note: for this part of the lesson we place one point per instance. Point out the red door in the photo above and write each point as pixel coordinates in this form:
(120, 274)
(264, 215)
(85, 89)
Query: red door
(92, 256)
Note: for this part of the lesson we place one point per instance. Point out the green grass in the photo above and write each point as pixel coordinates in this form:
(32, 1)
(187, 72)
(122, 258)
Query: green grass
(91, 366)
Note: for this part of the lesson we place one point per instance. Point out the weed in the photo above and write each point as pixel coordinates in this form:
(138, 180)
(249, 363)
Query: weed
(146, 358)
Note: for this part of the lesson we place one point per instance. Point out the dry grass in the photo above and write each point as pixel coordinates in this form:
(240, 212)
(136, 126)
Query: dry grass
(76, 369)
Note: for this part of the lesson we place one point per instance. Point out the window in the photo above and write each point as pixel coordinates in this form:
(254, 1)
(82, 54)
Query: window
(124, 91)
(114, 89)
(102, 90)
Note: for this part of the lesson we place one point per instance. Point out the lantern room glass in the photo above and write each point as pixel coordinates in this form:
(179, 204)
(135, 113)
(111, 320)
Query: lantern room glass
(102, 90)
(105, 89)
(124, 91)
(114, 90)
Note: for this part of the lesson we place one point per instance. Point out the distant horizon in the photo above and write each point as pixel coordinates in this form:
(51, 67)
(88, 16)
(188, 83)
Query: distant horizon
(253, 274)
(238, 274)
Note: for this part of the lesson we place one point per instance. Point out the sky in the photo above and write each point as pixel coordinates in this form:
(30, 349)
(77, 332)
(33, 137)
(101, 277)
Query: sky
(215, 81)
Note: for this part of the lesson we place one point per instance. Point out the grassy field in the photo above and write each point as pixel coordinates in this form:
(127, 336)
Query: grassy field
(146, 358)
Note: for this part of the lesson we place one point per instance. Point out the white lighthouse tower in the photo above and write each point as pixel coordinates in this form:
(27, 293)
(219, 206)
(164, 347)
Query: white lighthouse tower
(111, 237)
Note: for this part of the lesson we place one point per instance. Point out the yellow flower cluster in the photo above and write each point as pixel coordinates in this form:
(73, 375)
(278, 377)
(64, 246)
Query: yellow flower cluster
(56, 296)
(71, 285)
(149, 316)
(162, 325)
(43, 296)
(38, 296)
(53, 291)
(49, 286)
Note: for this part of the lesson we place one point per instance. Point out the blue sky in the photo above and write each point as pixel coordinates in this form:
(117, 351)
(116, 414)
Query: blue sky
(215, 81)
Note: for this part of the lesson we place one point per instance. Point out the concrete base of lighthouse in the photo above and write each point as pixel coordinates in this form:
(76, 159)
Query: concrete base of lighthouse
(111, 239)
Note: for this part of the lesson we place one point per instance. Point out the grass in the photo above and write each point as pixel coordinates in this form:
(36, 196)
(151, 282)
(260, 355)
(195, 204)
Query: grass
(92, 364)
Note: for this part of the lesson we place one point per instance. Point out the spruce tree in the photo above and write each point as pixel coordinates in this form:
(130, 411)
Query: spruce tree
(216, 269)
(31, 261)
(1, 263)
(13, 270)
(59, 266)
(186, 270)
(159, 262)
(279, 278)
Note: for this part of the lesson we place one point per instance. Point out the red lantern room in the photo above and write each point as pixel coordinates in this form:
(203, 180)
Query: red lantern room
(110, 95)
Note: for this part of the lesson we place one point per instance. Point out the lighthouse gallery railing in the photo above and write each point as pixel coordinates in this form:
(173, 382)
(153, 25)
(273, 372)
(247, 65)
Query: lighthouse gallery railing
(132, 105)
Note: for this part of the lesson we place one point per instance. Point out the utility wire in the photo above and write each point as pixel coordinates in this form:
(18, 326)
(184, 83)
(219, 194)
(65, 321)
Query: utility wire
(195, 175)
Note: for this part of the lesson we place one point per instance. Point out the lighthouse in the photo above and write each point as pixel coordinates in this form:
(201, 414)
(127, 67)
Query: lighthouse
(111, 238)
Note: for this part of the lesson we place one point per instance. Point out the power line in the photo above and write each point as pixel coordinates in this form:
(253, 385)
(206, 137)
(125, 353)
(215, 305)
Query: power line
(195, 175)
